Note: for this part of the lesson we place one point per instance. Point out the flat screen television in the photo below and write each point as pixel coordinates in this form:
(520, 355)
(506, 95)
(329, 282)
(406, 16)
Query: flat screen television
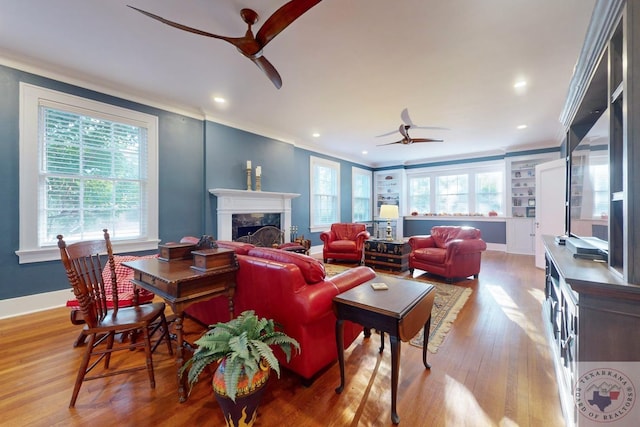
(588, 212)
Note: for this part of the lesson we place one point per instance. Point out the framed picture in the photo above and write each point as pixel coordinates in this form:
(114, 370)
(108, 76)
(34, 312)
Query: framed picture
(531, 212)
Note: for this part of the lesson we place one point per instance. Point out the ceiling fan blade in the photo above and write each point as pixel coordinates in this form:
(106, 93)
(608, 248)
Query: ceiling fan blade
(269, 70)
(404, 115)
(281, 19)
(232, 40)
(407, 120)
(387, 134)
(390, 143)
(426, 140)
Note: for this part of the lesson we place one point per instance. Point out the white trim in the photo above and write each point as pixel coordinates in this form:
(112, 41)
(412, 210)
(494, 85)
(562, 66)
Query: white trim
(31, 97)
(33, 303)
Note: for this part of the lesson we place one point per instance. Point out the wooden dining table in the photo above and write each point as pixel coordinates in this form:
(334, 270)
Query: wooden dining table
(180, 285)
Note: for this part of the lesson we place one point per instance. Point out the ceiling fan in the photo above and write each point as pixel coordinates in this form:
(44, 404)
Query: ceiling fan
(249, 45)
(404, 131)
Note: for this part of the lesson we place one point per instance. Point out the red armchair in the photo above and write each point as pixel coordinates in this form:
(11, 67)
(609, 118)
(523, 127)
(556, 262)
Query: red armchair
(345, 241)
(451, 252)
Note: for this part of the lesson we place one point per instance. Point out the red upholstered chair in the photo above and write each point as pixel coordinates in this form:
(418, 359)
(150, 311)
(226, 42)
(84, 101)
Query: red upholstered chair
(345, 241)
(449, 251)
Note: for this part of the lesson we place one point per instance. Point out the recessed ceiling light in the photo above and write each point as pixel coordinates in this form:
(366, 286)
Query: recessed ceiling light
(219, 99)
(520, 84)
(522, 127)
(365, 152)
(315, 135)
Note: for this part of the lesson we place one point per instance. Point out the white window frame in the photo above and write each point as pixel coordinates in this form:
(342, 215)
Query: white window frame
(31, 97)
(457, 169)
(355, 171)
(313, 162)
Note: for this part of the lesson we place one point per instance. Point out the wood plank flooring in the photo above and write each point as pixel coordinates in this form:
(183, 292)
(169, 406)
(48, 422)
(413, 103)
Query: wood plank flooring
(493, 369)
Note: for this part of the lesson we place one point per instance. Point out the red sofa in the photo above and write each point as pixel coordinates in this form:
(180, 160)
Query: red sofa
(293, 290)
(449, 251)
(345, 241)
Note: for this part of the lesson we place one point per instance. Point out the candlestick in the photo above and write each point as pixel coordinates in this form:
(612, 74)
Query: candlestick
(258, 170)
(258, 181)
(248, 178)
(248, 164)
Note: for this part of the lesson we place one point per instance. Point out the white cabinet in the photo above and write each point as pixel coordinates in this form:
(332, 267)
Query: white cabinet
(388, 187)
(521, 235)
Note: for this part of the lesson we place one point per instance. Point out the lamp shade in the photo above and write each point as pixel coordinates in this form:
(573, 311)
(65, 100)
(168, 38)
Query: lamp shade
(389, 211)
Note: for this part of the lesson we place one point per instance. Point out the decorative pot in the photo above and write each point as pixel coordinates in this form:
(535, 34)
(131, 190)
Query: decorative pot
(244, 411)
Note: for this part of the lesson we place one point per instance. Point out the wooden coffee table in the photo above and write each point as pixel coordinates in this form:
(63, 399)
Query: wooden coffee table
(400, 311)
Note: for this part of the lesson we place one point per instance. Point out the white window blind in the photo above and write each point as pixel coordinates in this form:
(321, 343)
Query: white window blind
(93, 177)
(361, 194)
(325, 193)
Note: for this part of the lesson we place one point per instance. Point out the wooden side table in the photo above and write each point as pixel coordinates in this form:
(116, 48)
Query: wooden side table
(390, 255)
(400, 311)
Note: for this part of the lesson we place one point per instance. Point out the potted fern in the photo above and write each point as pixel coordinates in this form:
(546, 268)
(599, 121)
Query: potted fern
(243, 348)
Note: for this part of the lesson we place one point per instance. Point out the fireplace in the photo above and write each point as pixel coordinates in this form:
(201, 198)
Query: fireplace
(243, 224)
(252, 203)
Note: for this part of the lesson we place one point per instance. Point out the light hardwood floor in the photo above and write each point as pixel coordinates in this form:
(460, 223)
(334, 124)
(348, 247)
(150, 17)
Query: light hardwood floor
(493, 369)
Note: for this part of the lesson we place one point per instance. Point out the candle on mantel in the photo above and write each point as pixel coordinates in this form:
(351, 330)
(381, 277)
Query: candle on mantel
(248, 164)
(258, 170)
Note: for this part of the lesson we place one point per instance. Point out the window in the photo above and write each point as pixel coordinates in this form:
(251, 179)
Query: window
(325, 193)
(361, 194)
(85, 166)
(452, 194)
(489, 192)
(457, 189)
(420, 194)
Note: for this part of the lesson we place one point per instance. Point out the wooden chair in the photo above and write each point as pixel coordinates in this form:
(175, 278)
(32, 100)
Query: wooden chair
(84, 263)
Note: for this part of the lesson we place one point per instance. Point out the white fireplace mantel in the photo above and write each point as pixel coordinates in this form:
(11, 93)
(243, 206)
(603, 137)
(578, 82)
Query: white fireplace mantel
(244, 201)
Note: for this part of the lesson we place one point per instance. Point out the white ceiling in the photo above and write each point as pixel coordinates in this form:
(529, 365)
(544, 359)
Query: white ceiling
(349, 67)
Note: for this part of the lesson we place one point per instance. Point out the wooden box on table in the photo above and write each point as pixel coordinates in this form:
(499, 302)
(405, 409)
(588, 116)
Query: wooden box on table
(213, 259)
(174, 251)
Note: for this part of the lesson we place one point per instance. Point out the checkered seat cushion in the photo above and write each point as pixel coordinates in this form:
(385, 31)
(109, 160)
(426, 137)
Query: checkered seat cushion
(123, 279)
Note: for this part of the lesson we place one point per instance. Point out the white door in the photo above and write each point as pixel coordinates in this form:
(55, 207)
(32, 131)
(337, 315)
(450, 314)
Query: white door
(550, 203)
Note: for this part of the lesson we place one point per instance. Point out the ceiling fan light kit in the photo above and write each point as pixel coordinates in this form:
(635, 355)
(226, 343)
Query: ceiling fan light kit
(249, 45)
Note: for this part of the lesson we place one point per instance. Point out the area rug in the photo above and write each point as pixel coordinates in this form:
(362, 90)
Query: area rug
(448, 302)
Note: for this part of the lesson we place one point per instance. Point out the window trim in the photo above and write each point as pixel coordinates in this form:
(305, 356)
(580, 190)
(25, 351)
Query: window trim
(362, 172)
(31, 97)
(313, 161)
(471, 170)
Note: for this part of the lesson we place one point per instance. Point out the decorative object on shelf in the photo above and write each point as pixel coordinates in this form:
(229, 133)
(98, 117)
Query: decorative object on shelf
(258, 178)
(389, 212)
(242, 346)
(248, 175)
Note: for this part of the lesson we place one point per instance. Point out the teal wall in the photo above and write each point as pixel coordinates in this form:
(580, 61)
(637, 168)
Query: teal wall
(194, 155)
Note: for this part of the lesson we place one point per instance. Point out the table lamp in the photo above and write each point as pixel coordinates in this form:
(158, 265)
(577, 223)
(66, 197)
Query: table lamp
(389, 212)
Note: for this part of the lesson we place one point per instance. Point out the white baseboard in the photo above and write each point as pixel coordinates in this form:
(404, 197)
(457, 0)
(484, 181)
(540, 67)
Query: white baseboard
(33, 303)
